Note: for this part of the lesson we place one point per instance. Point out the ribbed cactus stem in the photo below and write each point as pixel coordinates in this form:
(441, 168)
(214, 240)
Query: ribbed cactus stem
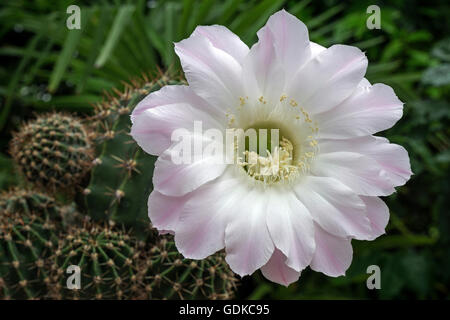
(53, 151)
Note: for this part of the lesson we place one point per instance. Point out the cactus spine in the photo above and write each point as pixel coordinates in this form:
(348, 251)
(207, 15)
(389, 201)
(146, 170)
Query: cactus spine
(53, 151)
(116, 265)
(27, 236)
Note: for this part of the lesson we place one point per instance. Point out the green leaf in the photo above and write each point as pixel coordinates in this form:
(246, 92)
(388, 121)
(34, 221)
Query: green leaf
(65, 57)
(120, 22)
(12, 87)
(442, 50)
(69, 47)
(438, 75)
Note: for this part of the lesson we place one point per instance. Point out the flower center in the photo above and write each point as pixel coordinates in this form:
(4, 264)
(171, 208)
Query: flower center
(290, 153)
(273, 167)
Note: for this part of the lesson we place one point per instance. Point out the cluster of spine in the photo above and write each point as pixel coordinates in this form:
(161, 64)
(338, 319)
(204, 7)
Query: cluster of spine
(53, 151)
(115, 265)
(165, 274)
(107, 259)
(27, 238)
(35, 253)
(119, 256)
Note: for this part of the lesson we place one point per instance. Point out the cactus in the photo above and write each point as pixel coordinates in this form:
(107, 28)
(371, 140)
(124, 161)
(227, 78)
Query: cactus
(119, 181)
(24, 201)
(121, 177)
(167, 275)
(35, 252)
(53, 151)
(27, 236)
(106, 258)
(115, 265)
(119, 257)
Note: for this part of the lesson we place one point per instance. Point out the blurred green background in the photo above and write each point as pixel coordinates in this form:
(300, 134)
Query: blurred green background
(47, 67)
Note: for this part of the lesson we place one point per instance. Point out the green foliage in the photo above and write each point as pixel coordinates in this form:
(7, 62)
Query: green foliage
(53, 151)
(439, 75)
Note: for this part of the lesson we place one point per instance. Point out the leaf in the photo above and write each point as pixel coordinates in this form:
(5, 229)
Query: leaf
(121, 20)
(69, 47)
(442, 50)
(98, 35)
(12, 86)
(438, 75)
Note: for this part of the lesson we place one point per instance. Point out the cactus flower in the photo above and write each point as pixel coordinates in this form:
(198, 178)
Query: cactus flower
(300, 205)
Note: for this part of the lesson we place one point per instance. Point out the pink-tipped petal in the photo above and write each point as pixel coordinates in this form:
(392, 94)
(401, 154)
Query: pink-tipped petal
(336, 71)
(247, 240)
(290, 40)
(201, 231)
(171, 108)
(175, 177)
(359, 172)
(164, 211)
(212, 73)
(334, 206)
(277, 271)
(291, 228)
(282, 48)
(333, 254)
(222, 38)
(391, 158)
(262, 71)
(378, 213)
(367, 111)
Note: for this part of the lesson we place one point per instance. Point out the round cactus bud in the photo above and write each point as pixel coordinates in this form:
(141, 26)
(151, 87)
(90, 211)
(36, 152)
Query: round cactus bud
(53, 151)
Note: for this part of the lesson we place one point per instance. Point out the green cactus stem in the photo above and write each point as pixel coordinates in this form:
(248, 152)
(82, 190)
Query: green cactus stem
(53, 151)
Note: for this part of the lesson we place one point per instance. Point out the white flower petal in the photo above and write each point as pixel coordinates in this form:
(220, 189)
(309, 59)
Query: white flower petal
(334, 206)
(282, 48)
(277, 271)
(290, 40)
(161, 112)
(203, 220)
(333, 254)
(247, 240)
(367, 111)
(222, 38)
(361, 173)
(328, 78)
(291, 228)
(316, 49)
(262, 71)
(174, 179)
(391, 158)
(378, 214)
(164, 211)
(212, 73)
